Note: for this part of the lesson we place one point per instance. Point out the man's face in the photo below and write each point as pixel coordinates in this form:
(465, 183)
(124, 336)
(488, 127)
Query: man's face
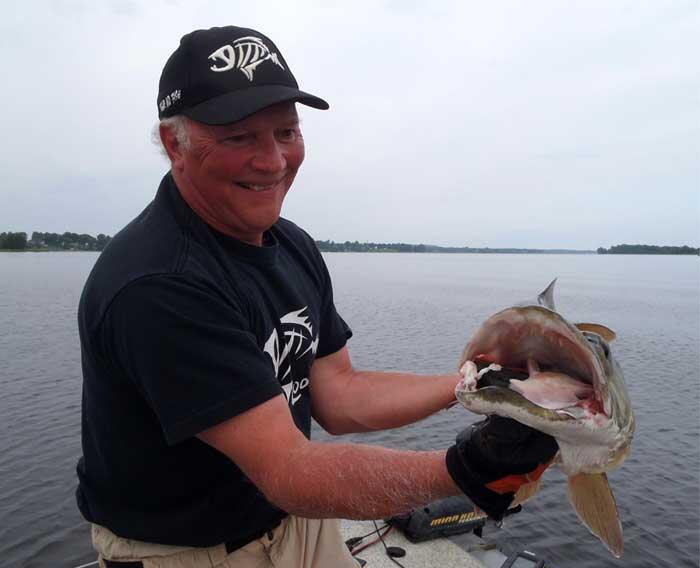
(236, 176)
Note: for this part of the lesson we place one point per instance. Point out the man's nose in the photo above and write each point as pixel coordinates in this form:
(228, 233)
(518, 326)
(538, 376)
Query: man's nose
(269, 156)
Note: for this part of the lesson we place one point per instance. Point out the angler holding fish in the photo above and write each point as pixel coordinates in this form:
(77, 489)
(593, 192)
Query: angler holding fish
(210, 339)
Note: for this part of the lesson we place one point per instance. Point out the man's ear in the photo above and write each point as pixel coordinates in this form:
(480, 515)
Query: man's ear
(172, 146)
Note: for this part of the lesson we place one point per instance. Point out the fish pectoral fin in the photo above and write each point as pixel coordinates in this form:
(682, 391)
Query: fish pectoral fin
(605, 332)
(526, 492)
(594, 503)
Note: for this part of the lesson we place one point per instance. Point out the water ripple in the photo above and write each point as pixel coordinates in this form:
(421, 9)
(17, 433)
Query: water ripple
(408, 312)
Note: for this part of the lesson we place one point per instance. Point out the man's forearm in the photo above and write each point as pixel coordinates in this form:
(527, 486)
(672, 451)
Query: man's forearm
(315, 479)
(382, 400)
(355, 481)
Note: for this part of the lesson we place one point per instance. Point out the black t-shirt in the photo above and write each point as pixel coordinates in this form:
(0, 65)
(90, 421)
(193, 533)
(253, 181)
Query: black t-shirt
(181, 328)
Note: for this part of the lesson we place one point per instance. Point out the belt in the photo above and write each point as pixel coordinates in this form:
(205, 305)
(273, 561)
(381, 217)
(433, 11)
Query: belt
(230, 545)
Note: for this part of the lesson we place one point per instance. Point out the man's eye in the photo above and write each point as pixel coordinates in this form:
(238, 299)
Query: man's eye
(237, 138)
(289, 134)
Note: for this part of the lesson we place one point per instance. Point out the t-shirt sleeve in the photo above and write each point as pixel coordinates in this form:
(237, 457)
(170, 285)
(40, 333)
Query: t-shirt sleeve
(190, 353)
(334, 332)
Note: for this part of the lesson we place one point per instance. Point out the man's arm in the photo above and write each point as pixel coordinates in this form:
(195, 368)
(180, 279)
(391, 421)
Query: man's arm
(347, 400)
(322, 480)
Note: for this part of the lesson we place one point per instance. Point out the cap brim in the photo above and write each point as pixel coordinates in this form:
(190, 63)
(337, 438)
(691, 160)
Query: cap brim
(237, 105)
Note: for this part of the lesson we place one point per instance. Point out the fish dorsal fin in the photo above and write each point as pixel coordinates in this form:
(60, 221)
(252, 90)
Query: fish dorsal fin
(546, 297)
(605, 332)
(595, 505)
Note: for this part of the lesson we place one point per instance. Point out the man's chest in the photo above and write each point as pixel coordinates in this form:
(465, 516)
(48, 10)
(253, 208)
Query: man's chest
(284, 306)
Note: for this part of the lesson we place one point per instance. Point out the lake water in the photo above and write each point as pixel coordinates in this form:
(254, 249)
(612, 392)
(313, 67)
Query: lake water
(409, 312)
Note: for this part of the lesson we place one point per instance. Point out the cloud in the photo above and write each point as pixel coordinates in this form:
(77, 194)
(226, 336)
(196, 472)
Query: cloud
(504, 124)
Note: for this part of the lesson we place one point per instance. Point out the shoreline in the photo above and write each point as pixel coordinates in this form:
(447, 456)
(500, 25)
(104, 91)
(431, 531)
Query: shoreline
(389, 251)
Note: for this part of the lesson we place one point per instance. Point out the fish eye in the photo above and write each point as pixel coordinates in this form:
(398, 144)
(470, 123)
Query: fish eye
(597, 341)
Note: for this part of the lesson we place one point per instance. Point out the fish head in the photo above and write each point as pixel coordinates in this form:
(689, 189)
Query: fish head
(574, 389)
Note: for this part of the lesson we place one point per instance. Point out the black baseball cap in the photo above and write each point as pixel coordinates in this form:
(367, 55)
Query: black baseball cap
(222, 75)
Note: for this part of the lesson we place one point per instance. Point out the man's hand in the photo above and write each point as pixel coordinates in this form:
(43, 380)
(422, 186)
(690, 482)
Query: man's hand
(492, 459)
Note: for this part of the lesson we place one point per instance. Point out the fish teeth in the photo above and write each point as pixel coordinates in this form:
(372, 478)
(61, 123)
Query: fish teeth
(491, 367)
(470, 373)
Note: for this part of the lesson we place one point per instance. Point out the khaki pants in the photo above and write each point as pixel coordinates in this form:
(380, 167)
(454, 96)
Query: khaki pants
(295, 543)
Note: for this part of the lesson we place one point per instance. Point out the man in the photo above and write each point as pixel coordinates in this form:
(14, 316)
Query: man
(210, 338)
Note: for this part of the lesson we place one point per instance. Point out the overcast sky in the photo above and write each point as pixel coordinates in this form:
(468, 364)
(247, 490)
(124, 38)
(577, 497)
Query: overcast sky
(525, 124)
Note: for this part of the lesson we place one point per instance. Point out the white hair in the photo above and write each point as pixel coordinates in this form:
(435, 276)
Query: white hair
(178, 124)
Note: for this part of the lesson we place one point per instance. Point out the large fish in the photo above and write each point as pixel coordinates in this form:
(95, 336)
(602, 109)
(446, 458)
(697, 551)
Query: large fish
(530, 364)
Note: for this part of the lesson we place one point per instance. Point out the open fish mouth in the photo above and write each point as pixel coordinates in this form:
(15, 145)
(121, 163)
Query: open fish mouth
(535, 352)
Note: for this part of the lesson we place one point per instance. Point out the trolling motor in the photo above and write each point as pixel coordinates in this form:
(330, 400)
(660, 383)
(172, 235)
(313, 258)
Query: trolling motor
(453, 516)
(447, 517)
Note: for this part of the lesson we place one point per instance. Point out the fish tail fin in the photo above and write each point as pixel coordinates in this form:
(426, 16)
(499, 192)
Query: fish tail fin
(594, 503)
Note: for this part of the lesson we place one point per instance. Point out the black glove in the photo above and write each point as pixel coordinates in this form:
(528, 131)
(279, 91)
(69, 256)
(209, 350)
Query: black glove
(494, 457)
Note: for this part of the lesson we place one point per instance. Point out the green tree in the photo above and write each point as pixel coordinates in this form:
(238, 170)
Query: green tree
(102, 241)
(13, 241)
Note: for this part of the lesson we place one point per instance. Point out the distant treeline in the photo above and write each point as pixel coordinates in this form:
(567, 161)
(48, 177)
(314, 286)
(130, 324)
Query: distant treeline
(648, 249)
(13, 241)
(75, 241)
(348, 246)
(355, 246)
(52, 241)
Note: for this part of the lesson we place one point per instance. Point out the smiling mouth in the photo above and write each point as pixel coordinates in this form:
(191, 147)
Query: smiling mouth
(257, 187)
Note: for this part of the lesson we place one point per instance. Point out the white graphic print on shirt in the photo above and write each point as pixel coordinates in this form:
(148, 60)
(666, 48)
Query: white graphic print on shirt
(297, 340)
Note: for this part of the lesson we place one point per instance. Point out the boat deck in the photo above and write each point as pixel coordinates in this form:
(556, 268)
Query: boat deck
(465, 551)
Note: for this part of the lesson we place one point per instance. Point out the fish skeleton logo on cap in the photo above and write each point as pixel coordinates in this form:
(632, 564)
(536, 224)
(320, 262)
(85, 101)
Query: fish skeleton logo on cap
(245, 54)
